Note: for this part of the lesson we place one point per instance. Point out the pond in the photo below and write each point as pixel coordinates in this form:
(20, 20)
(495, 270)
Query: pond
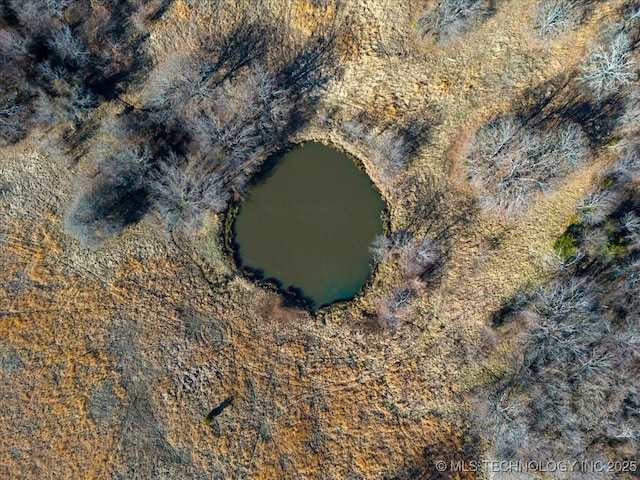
(308, 224)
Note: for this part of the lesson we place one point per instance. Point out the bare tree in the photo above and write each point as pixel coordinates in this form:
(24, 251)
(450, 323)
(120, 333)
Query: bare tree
(68, 48)
(627, 165)
(271, 102)
(12, 44)
(389, 154)
(504, 165)
(73, 104)
(44, 8)
(417, 256)
(185, 191)
(421, 258)
(393, 246)
(575, 373)
(382, 248)
(386, 149)
(452, 18)
(178, 83)
(56, 71)
(631, 223)
(37, 17)
(225, 107)
(609, 67)
(392, 310)
(629, 123)
(570, 147)
(11, 119)
(509, 162)
(597, 206)
(552, 17)
(574, 378)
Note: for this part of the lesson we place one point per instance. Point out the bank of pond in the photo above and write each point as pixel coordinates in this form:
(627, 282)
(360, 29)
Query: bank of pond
(307, 224)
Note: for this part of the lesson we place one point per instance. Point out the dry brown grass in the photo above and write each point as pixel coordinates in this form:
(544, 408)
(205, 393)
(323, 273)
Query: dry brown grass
(327, 397)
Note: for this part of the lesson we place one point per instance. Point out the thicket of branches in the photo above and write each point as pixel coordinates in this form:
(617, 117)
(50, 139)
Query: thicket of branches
(417, 257)
(510, 162)
(388, 145)
(61, 58)
(573, 388)
(514, 158)
(210, 120)
(111, 199)
(210, 117)
(613, 64)
(420, 249)
(448, 20)
(387, 150)
(553, 17)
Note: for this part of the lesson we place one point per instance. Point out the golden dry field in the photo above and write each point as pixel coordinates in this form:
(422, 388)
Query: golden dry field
(112, 356)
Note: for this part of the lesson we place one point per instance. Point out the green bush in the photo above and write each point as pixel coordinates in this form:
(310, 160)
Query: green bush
(566, 245)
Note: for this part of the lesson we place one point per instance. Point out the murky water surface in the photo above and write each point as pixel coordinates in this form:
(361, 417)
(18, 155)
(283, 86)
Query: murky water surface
(309, 223)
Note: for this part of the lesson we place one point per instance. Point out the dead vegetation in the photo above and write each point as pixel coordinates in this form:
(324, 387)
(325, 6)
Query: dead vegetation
(510, 162)
(572, 391)
(209, 121)
(448, 20)
(119, 360)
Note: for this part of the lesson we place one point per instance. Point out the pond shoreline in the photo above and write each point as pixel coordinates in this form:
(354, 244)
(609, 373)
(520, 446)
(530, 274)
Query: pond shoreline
(293, 295)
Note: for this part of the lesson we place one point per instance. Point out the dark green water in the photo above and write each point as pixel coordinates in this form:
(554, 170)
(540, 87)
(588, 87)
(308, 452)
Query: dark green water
(309, 224)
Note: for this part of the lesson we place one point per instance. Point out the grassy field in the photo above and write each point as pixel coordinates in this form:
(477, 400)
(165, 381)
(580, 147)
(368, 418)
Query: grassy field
(112, 355)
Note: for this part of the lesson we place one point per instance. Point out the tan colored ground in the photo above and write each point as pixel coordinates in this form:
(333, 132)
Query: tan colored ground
(102, 377)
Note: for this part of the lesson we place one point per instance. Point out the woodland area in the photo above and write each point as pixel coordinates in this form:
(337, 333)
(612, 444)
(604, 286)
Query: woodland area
(501, 320)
